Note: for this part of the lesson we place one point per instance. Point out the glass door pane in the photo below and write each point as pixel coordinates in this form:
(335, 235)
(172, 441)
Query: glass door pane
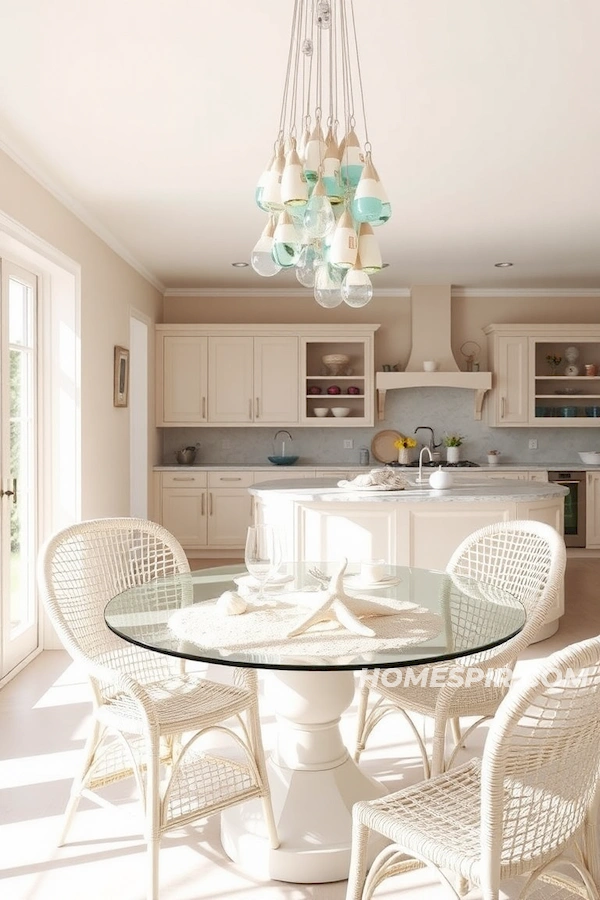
(18, 548)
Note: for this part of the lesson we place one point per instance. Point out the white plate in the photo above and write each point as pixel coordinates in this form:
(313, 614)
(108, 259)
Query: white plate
(356, 583)
(273, 584)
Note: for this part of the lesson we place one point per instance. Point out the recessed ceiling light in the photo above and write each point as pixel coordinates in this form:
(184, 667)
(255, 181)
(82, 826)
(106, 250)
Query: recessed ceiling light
(240, 265)
(504, 265)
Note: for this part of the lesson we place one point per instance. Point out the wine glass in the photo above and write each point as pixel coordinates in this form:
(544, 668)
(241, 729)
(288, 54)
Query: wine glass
(262, 554)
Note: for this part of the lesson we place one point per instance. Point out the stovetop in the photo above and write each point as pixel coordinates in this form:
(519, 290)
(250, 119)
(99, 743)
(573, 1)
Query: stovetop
(461, 464)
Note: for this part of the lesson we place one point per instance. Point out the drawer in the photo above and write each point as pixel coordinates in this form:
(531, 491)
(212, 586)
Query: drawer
(230, 479)
(184, 479)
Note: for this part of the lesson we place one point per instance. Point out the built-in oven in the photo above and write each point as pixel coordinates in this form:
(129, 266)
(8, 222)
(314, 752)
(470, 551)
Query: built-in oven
(574, 505)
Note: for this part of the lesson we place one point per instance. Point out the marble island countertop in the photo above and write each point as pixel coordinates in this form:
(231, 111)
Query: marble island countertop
(325, 489)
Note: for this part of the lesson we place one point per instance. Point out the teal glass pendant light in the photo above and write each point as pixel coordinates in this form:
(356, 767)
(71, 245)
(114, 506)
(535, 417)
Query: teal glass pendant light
(323, 197)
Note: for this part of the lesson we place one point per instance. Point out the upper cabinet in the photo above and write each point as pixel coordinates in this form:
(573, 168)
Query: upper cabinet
(252, 380)
(259, 375)
(544, 375)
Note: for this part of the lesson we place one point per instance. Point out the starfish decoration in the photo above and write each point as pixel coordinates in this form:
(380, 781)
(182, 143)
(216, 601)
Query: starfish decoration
(337, 604)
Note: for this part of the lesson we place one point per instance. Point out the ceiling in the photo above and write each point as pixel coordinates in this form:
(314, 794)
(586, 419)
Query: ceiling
(154, 119)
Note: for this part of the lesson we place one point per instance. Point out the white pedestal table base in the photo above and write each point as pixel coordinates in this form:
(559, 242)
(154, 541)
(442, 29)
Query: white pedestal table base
(314, 784)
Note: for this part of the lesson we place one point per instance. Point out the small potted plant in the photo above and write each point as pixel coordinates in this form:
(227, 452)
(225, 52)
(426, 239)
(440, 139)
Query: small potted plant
(404, 445)
(452, 442)
(493, 457)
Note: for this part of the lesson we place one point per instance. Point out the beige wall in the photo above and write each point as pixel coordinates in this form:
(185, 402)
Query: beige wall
(392, 340)
(109, 289)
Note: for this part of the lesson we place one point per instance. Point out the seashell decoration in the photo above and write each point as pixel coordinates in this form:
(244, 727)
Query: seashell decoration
(230, 603)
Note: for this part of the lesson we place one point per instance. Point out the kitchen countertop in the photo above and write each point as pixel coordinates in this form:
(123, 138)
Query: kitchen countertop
(324, 489)
(501, 467)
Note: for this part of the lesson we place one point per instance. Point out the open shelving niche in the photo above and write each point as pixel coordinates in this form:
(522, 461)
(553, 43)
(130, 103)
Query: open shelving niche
(358, 373)
(563, 400)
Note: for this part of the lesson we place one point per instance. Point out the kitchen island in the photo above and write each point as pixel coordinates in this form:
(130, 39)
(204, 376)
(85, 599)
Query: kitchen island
(417, 526)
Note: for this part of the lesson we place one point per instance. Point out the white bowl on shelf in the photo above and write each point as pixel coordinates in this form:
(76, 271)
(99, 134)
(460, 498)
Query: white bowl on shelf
(340, 411)
(590, 457)
(321, 411)
(335, 362)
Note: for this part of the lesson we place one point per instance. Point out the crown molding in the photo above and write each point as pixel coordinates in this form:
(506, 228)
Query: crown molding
(58, 191)
(266, 292)
(481, 293)
(484, 293)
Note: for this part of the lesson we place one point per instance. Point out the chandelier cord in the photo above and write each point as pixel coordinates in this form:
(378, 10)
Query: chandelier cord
(359, 72)
(286, 87)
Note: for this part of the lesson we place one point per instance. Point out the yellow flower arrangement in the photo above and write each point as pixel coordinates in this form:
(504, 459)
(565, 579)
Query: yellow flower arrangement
(404, 443)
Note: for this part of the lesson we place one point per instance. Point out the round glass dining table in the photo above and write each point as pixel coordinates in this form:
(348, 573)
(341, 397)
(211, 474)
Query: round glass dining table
(410, 617)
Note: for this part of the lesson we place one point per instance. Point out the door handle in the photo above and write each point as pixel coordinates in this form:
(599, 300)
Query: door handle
(204, 407)
(257, 408)
(12, 493)
(503, 407)
(250, 409)
(202, 504)
(210, 504)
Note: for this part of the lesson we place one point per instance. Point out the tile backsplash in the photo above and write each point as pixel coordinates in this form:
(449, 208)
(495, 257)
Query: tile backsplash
(443, 409)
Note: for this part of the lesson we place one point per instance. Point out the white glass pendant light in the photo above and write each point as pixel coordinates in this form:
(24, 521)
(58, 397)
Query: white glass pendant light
(331, 170)
(328, 284)
(260, 187)
(286, 246)
(368, 250)
(357, 289)
(271, 193)
(294, 189)
(261, 258)
(315, 153)
(344, 245)
(319, 219)
(352, 159)
(306, 266)
(320, 181)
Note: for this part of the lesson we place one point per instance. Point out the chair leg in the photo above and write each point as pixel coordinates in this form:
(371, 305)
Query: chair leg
(257, 750)
(358, 860)
(361, 717)
(91, 745)
(153, 831)
(456, 734)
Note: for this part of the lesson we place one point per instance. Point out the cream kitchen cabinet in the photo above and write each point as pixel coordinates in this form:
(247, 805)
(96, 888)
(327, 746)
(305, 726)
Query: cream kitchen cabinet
(206, 511)
(182, 379)
(253, 380)
(183, 507)
(221, 375)
(592, 515)
(508, 402)
(530, 389)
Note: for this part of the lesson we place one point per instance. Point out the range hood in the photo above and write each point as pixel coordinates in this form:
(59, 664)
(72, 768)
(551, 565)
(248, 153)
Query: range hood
(430, 326)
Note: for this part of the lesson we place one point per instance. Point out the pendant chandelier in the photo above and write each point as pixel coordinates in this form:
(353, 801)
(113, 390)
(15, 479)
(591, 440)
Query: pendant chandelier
(322, 195)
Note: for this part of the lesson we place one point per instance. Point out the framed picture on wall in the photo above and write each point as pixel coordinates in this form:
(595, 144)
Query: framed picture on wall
(121, 376)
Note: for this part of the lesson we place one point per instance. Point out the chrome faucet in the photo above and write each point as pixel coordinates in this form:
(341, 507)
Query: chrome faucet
(432, 444)
(420, 479)
(282, 431)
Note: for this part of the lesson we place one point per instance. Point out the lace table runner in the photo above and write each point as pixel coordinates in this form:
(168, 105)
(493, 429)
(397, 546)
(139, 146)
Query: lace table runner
(264, 629)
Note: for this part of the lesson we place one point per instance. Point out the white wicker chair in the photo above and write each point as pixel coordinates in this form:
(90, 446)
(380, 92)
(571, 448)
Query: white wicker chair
(147, 711)
(526, 808)
(523, 557)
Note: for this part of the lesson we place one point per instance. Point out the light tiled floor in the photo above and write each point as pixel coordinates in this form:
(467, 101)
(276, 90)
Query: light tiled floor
(43, 722)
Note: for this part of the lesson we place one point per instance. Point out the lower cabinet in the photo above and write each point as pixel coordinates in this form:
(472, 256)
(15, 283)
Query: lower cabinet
(592, 514)
(206, 510)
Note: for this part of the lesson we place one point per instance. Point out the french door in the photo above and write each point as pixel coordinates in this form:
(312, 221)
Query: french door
(19, 627)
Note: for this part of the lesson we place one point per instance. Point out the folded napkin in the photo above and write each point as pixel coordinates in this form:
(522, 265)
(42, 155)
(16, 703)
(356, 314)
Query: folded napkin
(376, 480)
